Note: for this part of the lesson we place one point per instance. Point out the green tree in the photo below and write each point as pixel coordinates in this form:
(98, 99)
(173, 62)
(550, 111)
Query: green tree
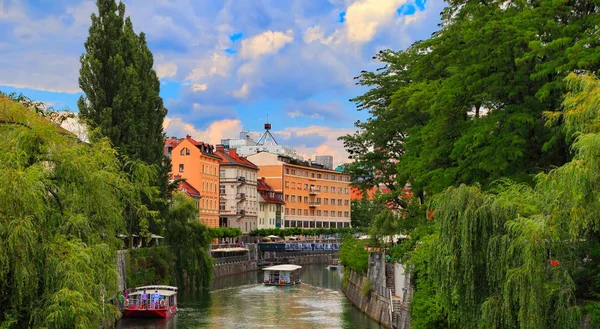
(189, 241)
(61, 208)
(122, 99)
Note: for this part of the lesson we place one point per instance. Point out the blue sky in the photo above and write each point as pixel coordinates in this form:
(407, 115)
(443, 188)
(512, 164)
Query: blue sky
(226, 65)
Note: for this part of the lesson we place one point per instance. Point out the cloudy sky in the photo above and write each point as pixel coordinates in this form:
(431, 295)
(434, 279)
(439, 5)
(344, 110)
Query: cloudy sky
(225, 65)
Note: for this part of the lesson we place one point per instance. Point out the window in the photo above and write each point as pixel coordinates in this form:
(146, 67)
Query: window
(339, 202)
(182, 152)
(222, 173)
(293, 211)
(222, 206)
(287, 184)
(299, 172)
(339, 214)
(347, 178)
(346, 214)
(181, 168)
(325, 213)
(346, 202)
(318, 212)
(187, 151)
(318, 200)
(333, 189)
(222, 189)
(287, 198)
(326, 176)
(340, 178)
(287, 171)
(293, 185)
(305, 186)
(326, 201)
(305, 212)
(203, 170)
(293, 198)
(347, 190)
(305, 199)
(287, 211)
(333, 202)
(318, 175)
(326, 188)
(306, 174)
(332, 213)
(299, 198)
(293, 171)
(312, 175)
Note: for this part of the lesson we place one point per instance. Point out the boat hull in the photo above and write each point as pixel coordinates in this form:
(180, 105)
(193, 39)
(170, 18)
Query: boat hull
(149, 313)
(281, 284)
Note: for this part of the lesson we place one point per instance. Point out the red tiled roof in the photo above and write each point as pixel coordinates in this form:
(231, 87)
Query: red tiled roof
(230, 157)
(189, 189)
(265, 190)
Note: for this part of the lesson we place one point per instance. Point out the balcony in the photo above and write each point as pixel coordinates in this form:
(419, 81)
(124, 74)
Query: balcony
(313, 191)
(241, 179)
(241, 196)
(314, 204)
(241, 212)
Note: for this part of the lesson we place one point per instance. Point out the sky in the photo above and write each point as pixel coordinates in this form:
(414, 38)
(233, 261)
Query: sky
(226, 65)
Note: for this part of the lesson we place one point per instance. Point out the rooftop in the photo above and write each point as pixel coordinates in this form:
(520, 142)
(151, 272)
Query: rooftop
(231, 157)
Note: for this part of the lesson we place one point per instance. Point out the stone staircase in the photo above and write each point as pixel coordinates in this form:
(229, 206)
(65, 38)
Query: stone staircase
(389, 278)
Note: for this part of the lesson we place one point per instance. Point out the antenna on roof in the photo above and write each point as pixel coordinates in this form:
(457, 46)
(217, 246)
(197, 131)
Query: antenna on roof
(267, 135)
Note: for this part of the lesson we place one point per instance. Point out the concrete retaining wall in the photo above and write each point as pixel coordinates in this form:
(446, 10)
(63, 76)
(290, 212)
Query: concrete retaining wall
(221, 270)
(373, 305)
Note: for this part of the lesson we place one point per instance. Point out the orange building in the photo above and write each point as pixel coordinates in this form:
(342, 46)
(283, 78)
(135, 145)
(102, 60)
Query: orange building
(197, 163)
(314, 197)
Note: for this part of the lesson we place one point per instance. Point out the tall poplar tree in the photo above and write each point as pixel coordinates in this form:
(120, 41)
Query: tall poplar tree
(121, 88)
(122, 97)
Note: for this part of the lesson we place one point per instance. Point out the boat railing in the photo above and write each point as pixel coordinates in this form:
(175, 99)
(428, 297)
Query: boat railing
(150, 304)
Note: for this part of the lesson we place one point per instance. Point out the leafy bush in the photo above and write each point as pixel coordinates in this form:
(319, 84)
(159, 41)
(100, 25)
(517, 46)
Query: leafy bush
(366, 288)
(353, 254)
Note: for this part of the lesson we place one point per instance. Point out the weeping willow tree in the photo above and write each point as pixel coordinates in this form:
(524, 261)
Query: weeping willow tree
(506, 257)
(189, 241)
(61, 208)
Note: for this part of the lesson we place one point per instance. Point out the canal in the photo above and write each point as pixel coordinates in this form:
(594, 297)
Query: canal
(242, 301)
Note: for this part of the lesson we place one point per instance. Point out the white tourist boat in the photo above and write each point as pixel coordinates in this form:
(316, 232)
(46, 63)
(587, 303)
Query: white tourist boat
(282, 275)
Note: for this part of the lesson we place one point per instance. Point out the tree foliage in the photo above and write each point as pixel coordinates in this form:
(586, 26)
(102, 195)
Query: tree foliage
(61, 207)
(189, 241)
(467, 104)
(122, 101)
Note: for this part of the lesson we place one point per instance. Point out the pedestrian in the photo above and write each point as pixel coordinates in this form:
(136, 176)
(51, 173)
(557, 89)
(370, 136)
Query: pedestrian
(144, 299)
(121, 299)
(156, 298)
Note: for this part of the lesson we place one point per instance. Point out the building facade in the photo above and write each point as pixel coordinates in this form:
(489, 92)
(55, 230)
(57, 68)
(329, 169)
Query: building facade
(271, 206)
(238, 203)
(314, 197)
(325, 160)
(197, 163)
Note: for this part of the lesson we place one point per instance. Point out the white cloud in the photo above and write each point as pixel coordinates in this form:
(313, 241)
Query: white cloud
(268, 42)
(331, 145)
(212, 134)
(242, 92)
(217, 64)
(199, 87)
(314, 33)
(166, 70)
(365, 17)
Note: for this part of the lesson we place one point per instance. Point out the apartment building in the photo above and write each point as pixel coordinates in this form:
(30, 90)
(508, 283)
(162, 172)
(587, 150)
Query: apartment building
(314, 197)
(270, 206)
(199, 165)
(238, 203)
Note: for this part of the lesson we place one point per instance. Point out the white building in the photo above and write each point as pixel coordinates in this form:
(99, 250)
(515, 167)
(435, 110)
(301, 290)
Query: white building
(325, 160)
(270, 206)
(246, 145)
(238, 206)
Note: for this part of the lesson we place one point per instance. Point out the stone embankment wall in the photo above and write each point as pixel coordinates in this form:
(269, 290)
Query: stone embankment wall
(227, 269)
(390, 293)
(373, 304)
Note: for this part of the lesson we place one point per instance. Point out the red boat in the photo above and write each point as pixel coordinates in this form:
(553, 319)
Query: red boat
(159, 302)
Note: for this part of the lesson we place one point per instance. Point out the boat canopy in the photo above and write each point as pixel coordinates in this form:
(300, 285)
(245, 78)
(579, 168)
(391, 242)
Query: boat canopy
(166, 293)
(285, 268)
(156, 288)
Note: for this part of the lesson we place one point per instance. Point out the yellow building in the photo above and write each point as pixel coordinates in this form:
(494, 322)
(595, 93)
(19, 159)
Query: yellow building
(314, 197)
(199, 165)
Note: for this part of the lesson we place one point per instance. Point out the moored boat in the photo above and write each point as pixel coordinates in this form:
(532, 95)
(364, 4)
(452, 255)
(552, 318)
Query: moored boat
(335, 264)
(151, 301)
(282, 275)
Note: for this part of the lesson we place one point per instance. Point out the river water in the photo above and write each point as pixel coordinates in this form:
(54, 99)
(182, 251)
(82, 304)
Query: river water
(242, 301)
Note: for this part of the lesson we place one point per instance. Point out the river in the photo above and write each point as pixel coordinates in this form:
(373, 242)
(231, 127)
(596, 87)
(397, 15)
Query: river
(242, 301)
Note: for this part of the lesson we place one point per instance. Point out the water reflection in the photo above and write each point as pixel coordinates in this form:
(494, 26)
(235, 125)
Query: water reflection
(242, 301)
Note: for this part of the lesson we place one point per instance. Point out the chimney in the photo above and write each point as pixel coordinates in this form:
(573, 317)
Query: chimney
(220, 148)
(233, 152)
(262, 179)
(188, 137)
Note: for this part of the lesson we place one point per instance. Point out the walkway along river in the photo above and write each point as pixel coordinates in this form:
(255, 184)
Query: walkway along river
(242, 301)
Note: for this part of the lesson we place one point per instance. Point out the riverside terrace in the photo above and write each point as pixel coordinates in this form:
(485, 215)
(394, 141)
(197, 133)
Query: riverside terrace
(229, 253)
